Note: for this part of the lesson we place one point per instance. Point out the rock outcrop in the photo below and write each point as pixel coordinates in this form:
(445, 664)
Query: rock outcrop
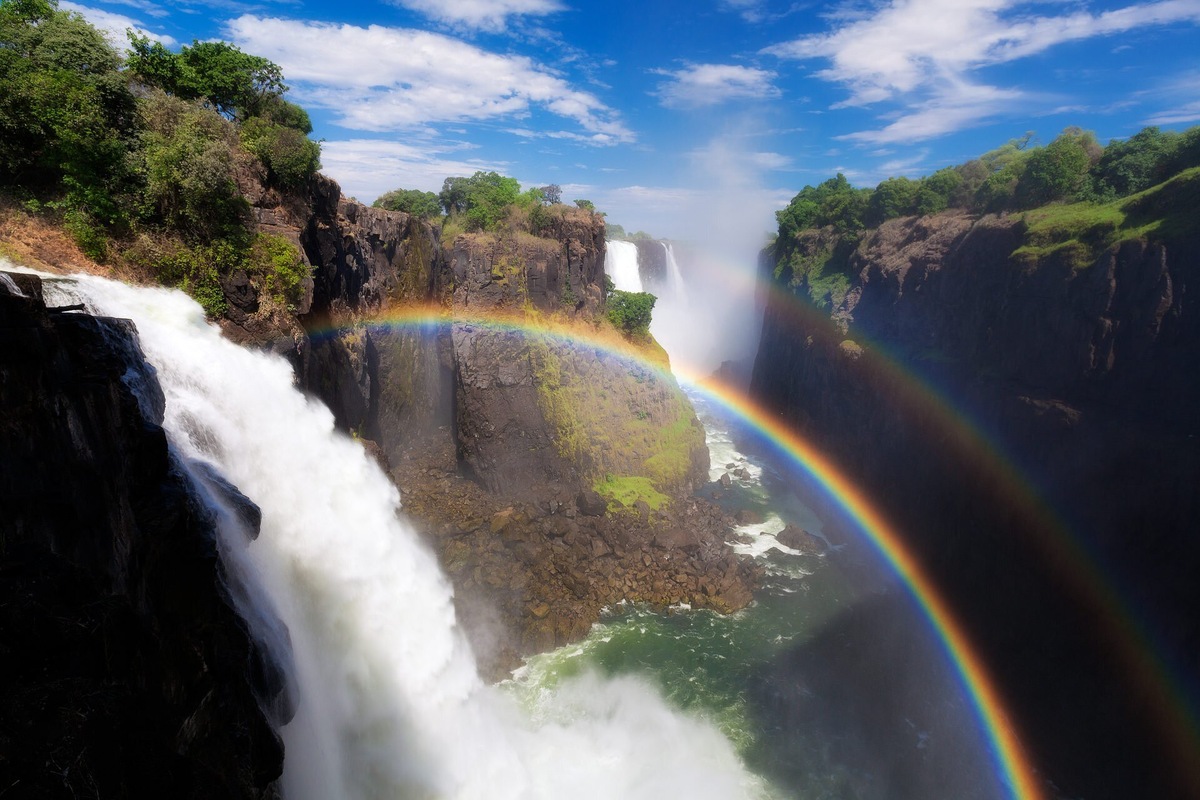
(1088, 377)
(430, 352)
(127, 671)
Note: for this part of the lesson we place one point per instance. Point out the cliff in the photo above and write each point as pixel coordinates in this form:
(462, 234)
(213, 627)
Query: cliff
(477, 368)
(1075, 353)
(127, 671)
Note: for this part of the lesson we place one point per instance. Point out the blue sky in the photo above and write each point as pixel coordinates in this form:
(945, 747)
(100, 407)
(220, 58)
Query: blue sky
(687, 117)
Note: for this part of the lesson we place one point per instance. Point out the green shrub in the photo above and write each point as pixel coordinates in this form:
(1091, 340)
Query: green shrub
(281, 268)
(631, 312)
(291, 158)
(187, 159)
(410, 201)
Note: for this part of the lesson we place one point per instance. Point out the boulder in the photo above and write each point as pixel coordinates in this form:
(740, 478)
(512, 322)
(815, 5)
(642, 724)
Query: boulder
(591, 503)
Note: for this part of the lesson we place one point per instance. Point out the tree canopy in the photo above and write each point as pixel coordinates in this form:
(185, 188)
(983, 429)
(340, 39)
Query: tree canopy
(411, 201)
(237, 84)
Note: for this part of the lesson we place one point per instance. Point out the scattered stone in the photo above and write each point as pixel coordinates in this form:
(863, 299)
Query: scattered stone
(800, 539)
(748, 516)
(726, 481)
(539, 610)
(502, 519)
(591, 504)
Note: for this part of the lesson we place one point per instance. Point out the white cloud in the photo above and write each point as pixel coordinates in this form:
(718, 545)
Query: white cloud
(366, 168)
(949, 108)
(1181, 96)
(710, 84)
(113, 26)
(923, 52)
(750, 10)
(1187, 112)
(387, 79)
(488, 15)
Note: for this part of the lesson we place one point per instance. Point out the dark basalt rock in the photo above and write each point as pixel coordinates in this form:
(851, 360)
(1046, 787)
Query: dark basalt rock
(127, 671)
(1089, 379)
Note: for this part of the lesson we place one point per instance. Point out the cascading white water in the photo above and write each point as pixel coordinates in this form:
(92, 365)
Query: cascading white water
(621, 264)
(674, 276)
(389, 702)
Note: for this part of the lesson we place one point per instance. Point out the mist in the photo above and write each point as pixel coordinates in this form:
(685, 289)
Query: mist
(718, 227)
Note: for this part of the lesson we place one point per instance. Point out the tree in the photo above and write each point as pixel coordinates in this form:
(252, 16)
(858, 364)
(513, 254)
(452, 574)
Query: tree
(487, 196)
(631, 312)
(291, 158)
(188, 161)
(834, 202)
(586, 205)
(1131, 166)
(411, 201)
(552, 194)
(1055, 171)
(453, 197)
(67, 118)
(895, 197)
(237, 84)
(937, 191)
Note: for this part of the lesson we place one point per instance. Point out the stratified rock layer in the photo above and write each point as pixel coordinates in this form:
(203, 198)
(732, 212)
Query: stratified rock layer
(1089, 379)
(127, 671)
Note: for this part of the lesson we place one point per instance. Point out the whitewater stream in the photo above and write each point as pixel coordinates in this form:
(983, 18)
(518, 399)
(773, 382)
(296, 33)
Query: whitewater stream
(389, 704)
(651, 704)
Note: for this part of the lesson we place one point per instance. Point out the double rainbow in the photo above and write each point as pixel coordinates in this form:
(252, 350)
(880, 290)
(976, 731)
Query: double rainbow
(1011, 763)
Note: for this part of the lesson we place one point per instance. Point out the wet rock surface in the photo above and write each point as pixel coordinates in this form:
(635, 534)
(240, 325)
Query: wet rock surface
(529, 577)
(127, 671)
(460, 412)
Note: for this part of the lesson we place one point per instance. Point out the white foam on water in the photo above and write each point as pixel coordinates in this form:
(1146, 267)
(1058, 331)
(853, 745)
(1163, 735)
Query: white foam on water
(389, 701)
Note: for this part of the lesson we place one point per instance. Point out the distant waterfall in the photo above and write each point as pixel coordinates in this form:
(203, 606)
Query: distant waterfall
(621, 264)
(674, 276)
(389, 704)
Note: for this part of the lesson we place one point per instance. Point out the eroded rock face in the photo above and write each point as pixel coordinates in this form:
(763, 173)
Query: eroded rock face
(127, 671)
(472, 418)
(1088, 378)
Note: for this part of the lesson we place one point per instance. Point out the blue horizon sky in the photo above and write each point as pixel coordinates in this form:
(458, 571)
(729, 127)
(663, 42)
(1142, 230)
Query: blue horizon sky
(685, 119)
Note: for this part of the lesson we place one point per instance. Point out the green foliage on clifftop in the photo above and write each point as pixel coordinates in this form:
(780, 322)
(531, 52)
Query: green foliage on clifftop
(142, 159)
(630, 312)
(1077, 233)
(1076, 199)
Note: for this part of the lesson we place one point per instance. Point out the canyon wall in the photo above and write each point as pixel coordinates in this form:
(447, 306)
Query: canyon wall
(1086, 378)
(426, 348)
(127, 671)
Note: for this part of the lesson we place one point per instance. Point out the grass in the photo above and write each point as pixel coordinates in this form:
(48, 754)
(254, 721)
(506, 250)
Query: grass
(615, 417)
(624, 491)
(1077, 233)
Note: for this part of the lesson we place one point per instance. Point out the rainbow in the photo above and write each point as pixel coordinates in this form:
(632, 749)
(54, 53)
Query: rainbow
(1043, 531)
(1009, 759)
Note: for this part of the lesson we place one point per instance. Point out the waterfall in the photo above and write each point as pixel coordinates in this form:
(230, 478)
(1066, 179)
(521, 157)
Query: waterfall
(389, 703)
(674, 276)
(621, 264)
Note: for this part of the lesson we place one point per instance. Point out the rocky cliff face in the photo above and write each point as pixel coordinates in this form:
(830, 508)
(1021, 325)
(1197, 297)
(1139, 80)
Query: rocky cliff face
(127, 671)
(1087, 376)
(496, 436)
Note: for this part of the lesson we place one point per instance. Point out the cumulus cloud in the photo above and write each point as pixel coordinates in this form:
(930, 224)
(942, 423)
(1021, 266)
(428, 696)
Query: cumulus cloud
(486, 15)
(113, 26)
(700, 85)
(923, 53)
(366, 168)
(387, 79)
